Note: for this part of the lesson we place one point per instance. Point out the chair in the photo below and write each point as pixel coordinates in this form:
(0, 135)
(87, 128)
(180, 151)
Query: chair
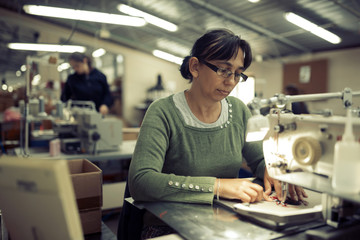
(131, 220)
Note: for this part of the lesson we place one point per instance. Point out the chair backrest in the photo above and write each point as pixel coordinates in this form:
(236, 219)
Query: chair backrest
(131, 220)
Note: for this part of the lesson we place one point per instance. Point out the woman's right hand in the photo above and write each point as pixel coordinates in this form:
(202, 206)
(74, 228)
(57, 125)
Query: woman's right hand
(242, 189)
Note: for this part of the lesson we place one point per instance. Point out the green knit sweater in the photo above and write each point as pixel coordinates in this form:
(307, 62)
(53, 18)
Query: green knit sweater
(173, 161)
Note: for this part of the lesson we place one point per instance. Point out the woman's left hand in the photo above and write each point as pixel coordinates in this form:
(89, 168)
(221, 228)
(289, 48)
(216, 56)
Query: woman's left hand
(296, 193)
(103, 109)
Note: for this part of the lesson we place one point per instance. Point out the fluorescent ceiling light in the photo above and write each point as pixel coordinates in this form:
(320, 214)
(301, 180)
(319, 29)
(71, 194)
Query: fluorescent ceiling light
(46, 47)
(254, 1)
(167, 56)
(36, 80)
(98, 52)
(149, 18)
(172, 46)
(313, 28)
(63, 66)
(119, 58)
(84, 15)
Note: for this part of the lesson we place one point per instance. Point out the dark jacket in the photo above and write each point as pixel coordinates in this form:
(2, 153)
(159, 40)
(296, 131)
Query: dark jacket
(92, 87)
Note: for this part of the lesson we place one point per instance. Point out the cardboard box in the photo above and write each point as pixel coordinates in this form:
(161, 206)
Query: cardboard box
(91, 220)
(87, 182)
(130, 133)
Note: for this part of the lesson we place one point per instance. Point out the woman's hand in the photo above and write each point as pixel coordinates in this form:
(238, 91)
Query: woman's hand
(238, 188)
(103, 109)
(296, 193)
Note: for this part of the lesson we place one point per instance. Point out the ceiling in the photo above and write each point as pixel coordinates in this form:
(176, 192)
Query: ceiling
(262, 24)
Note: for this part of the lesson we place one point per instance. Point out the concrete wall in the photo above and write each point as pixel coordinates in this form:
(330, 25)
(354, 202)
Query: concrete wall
(141, 72)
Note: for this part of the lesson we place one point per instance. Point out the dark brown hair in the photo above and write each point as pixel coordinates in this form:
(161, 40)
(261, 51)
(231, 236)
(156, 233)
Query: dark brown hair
(219, 44)
(79, 57)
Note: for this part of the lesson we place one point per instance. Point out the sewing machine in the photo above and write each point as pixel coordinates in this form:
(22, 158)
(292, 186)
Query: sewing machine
(299, 150)
(85, 125)
(303, 142)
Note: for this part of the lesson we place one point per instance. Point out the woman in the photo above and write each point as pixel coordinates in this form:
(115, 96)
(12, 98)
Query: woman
(191, 144)
(87, 84)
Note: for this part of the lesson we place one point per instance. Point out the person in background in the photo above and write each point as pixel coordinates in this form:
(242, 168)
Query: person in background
(296, 107)
(87, 84)
(192, 143)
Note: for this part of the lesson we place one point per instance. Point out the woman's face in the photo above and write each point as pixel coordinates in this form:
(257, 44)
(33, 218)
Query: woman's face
(216, 87)
(79, 67)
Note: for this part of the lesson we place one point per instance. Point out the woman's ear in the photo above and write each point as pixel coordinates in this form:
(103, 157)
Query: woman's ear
(194, 67)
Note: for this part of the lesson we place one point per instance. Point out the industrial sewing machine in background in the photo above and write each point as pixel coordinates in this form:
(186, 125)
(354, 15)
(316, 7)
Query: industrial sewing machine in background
(84, 130)
(79, 126)
(299, 150)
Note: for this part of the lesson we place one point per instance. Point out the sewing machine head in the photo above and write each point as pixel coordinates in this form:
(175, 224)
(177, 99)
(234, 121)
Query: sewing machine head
(299, 142)
(94, 132)
(299, 149)
(97, 133)
(303, 142)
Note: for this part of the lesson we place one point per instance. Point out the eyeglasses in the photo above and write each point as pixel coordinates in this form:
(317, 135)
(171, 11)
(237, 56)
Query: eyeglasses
(225, 73)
